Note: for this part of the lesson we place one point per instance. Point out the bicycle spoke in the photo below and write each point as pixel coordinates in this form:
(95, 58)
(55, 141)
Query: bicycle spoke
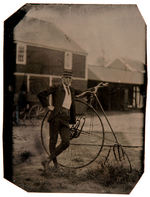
(86, 147)
(87, 141)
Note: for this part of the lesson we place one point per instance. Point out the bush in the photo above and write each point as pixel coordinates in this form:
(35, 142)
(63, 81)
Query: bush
(24, 156)
(109, 175)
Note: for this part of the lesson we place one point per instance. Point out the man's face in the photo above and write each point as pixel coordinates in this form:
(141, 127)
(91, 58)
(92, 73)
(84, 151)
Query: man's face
(67, 80)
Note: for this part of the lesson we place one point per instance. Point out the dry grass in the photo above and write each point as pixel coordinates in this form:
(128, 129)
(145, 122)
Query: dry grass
(95, 178)
(109, 175)
(112, 177)
(108, 178)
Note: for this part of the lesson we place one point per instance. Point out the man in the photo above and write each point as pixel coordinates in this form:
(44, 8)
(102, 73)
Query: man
(21, 102)
(63, 113)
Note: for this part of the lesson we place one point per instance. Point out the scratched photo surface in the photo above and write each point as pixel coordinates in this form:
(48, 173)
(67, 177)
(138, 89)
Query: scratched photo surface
(92, 134)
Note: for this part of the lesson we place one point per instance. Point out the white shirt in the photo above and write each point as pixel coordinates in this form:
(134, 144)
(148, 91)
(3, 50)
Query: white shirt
(67, 100)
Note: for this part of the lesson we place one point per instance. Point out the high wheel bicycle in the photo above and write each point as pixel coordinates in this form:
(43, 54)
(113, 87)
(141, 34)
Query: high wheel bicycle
(86, 136)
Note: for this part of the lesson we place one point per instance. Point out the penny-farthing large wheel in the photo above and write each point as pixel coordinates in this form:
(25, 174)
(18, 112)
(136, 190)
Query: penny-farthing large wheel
(87, 141)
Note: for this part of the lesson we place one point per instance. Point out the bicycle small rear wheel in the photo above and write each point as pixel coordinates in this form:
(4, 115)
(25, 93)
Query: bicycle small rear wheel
(85, 148)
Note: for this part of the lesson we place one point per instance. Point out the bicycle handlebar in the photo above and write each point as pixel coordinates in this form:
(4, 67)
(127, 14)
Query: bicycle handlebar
(93, 90)
(101, 84)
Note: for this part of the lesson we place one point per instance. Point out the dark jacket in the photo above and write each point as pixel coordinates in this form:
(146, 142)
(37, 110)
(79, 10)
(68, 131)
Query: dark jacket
(58, 94)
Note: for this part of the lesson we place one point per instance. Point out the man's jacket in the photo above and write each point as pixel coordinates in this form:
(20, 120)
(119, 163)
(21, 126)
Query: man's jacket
(58, 95)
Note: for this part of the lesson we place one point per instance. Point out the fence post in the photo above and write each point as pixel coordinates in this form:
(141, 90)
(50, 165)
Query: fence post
(28, 83)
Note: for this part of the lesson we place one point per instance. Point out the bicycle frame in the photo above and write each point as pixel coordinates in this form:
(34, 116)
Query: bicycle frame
(117, 146)
(98, 101)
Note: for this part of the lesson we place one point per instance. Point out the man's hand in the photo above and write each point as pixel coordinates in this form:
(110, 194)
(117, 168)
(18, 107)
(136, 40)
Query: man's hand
(49, 108)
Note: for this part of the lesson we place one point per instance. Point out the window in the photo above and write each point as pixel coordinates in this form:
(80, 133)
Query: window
(79, 65)
(21, 54)
(68, 61)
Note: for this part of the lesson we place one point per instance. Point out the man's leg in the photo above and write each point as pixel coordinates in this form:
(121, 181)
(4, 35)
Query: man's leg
(53, 136)
(65, 141)
(53, 132)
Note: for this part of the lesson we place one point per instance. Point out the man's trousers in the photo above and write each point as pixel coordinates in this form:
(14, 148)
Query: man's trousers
(59, 125)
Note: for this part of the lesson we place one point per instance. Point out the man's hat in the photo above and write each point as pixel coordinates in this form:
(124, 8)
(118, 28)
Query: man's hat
(67, 73)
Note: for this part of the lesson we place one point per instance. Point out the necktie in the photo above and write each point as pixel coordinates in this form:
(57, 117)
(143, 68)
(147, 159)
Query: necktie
(67, 89)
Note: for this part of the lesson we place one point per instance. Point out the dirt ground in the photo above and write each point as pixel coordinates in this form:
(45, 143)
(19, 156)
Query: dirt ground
(113, 177)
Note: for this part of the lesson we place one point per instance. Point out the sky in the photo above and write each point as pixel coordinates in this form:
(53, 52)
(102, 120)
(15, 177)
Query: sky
(104, 31)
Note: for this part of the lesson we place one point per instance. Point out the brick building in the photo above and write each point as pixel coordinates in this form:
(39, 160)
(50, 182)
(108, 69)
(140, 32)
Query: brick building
(42, 52)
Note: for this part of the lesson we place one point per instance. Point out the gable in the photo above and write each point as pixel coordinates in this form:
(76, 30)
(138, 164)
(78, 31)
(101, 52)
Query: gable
(126, 65)
(117, 64)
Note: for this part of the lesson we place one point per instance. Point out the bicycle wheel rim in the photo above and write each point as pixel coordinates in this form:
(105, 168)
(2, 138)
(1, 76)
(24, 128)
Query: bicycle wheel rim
(81, 154)
(64, 156)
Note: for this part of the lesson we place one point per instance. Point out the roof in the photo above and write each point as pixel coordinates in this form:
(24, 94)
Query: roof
(136, 65)
(46, 34)
(99, 73)
(126, 64)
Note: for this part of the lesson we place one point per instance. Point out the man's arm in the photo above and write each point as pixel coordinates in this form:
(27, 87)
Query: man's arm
(43, 96)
